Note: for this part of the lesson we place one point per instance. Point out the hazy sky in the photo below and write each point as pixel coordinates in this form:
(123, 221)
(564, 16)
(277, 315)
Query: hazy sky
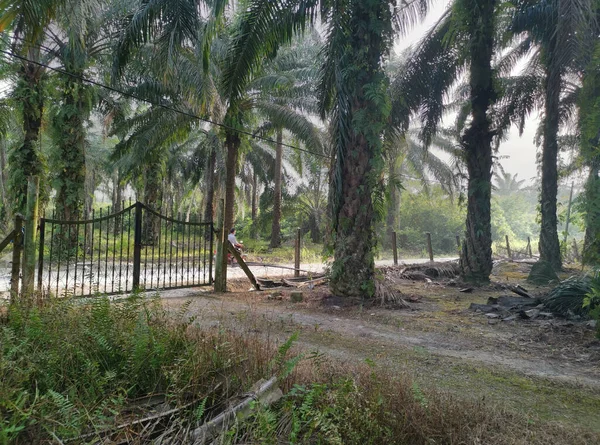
(518, 154)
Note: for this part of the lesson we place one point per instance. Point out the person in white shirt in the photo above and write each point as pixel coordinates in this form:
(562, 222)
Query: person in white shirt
(232, 239)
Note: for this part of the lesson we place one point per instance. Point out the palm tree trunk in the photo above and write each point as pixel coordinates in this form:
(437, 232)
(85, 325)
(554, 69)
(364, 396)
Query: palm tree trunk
(276, 227)
(232, 142)
(591, 248)
(392, 210)
(549, 244)
(253, 228)
(153, 196)
(232, 145)
(353, 270)
(4, 181)
(210, 186)
(476, 254)
(70, 138)
(359, 125)
(26, 159)
(254, 195)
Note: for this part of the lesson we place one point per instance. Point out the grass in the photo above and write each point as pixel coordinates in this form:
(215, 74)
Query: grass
(68, 369)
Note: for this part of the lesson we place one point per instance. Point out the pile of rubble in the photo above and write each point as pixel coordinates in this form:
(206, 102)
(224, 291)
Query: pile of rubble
(509, 308)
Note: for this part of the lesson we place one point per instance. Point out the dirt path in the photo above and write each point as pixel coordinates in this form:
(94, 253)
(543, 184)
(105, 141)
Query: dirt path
(546, 367)
(250, 311)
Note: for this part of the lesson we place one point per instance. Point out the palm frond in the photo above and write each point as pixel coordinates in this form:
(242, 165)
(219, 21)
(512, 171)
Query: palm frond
(265, 25)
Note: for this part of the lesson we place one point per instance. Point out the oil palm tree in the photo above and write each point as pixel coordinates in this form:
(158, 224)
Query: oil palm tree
(559, 28)
(462, 41)
(78, 39)
(27, 21)
(353, 93)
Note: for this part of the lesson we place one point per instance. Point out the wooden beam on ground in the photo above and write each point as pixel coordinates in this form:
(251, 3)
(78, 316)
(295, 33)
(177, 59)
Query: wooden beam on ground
(243, 265)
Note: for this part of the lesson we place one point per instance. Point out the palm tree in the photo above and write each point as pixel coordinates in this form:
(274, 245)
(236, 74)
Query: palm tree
(407, 158)
(79, 38)
(27, 20)
(463, 38)
(352, 92)
(558, 27)
(589, 125)
(507, 183)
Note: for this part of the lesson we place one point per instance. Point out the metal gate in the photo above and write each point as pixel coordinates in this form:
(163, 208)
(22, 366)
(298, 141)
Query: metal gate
(134, 248)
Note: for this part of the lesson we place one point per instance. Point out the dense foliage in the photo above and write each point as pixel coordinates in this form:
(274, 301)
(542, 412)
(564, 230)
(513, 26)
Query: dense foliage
(323, 131)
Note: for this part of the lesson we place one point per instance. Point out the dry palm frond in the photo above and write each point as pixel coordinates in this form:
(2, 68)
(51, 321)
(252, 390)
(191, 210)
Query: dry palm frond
(387, 295)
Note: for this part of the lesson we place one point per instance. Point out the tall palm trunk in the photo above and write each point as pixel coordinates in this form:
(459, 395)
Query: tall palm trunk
(232, 145)
(476, 254)
(153, 197)
(392, 210)
(549, 244)
(26, 158)
(360, 123)
(591, 249)
(253, 229)
(254, 196)
(276, 227)
(70, 139)
(4, 181)
(210, 186)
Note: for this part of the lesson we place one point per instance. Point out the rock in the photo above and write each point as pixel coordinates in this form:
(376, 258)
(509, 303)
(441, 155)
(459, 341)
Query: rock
(509, 302)
(493, 320)
(275, 296)
(542, 274)
(592, 324)
(296, 297)
(492, 315)
(545, 314)
(532, 314)
(511, 318)
(466, 290)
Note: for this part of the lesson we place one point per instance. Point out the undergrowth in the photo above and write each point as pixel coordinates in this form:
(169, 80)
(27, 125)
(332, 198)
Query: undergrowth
(68, 369)
(70, 372)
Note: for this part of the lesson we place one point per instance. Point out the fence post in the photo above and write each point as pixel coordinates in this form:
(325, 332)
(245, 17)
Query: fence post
(429, 247)
(529, 247)
(220, 281)
(575, 250)
(30, 241)
(395, 248)
(508, 248)
(16, 257)
(40, 265)
(137, 246)
(569, 213)
(297, 254)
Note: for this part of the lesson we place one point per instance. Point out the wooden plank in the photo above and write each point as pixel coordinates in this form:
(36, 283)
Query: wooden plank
(6, 241)
(243, 265)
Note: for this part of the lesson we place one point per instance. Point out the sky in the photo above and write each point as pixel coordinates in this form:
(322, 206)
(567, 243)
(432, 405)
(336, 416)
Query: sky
(518, 153)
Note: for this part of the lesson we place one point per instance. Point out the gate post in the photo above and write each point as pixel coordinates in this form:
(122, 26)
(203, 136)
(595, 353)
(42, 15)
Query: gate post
(31, 222)
(137, 246)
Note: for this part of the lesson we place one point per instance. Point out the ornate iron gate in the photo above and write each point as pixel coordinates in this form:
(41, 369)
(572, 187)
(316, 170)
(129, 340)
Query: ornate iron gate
(134, 248)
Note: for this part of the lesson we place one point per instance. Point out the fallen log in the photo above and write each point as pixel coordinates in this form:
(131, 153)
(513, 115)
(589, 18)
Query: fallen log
(308, 283)
(266, 393)
(519, 290)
